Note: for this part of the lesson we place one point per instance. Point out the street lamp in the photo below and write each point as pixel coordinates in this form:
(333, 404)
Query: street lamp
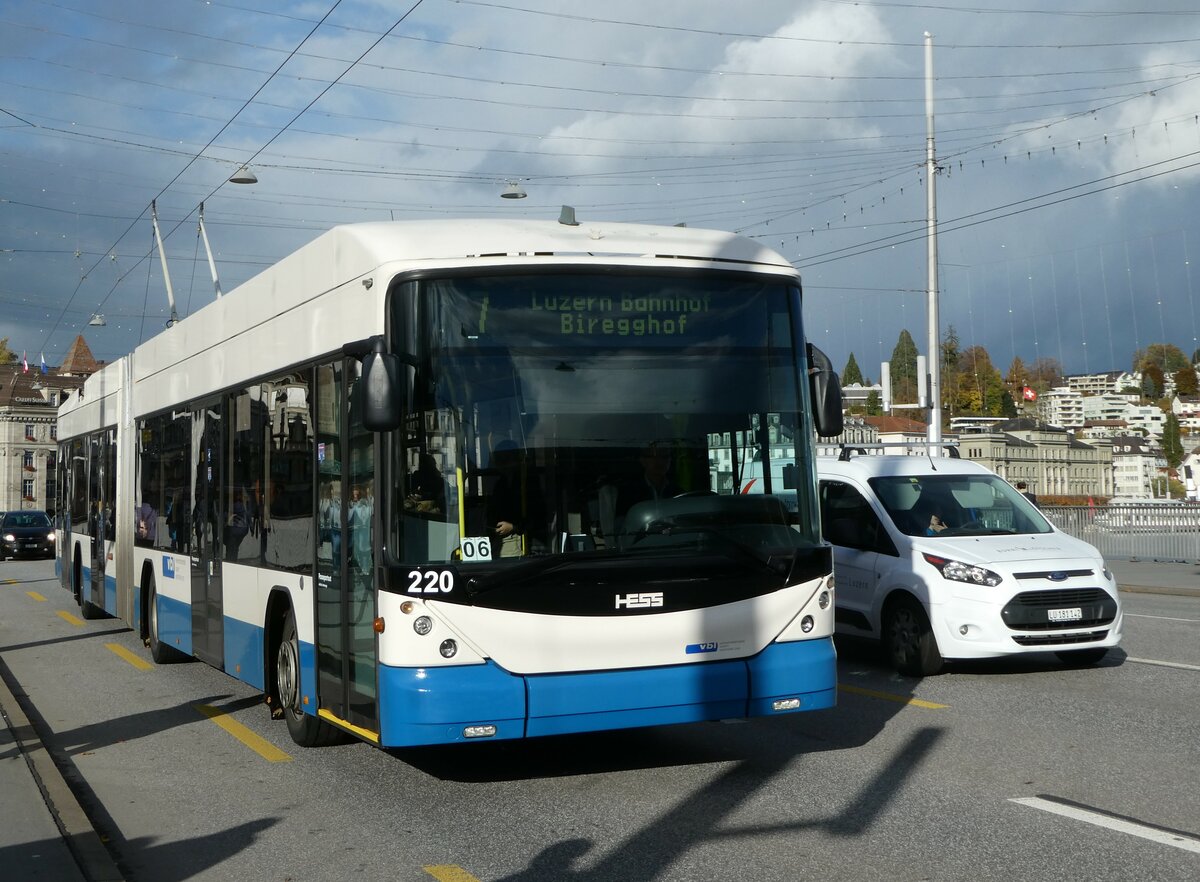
(243, 175)
(513, 191)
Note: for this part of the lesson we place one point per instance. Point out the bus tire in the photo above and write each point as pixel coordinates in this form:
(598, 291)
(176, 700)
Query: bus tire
(159, 651)
(908, 639)
(305, 729)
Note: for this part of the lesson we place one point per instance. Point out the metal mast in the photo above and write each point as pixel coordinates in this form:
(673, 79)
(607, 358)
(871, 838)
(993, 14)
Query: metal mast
(934, 431)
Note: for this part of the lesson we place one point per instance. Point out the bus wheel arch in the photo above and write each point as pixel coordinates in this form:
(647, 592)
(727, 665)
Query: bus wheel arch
(162, 653)
(284, 680)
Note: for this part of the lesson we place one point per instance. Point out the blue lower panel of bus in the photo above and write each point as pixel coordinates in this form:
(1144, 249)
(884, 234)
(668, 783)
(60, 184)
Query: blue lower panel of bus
(175, 624)
(435, 705)
(244, 653)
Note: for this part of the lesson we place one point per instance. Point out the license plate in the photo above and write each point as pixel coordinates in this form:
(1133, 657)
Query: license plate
(1065, 615)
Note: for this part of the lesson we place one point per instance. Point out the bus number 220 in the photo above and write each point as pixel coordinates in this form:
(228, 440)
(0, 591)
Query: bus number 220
(430, 581)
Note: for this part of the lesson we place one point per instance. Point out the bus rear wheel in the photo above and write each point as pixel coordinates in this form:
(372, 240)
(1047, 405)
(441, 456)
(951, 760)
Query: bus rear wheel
(305, 729)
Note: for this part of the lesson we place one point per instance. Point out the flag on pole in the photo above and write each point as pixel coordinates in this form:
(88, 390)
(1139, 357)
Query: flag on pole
(1028, 394)
(24, 362)
(44, 368)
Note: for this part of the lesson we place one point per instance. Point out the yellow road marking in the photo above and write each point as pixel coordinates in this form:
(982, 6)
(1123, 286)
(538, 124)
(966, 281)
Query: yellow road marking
(70, 619)
(449, 873)
(36, 596)
(261, 746)
(888, 696)
(140, 663)
(11, 582)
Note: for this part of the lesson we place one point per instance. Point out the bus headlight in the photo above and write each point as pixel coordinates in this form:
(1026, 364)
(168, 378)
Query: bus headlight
(823, 600)
(448, 649)
(422, 625)
(807, 624)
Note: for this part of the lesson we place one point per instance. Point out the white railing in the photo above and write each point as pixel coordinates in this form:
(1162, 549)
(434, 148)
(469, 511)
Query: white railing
(1149, 531)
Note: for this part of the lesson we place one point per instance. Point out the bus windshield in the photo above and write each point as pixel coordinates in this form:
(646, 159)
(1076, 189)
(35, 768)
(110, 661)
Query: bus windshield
(602, 414)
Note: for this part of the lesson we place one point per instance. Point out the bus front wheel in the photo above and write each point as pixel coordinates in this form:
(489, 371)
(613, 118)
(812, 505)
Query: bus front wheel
(305, 729)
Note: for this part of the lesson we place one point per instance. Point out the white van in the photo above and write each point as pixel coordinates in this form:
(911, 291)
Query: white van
(940, 559)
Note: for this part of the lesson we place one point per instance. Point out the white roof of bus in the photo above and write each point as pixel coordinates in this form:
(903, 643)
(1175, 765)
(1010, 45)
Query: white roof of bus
(365, 246)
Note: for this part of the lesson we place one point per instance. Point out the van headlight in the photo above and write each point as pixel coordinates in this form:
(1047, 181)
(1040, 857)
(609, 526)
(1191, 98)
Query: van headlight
(956, 571)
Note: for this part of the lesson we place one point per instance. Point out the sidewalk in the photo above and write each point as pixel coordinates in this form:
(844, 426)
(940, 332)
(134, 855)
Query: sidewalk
(44, 832)
(1155, 577)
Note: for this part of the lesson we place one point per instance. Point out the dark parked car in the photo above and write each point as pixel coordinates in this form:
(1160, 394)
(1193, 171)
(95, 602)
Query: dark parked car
(26, 534)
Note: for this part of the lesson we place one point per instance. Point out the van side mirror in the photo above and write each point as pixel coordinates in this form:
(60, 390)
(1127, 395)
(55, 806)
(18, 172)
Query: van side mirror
(825, 390)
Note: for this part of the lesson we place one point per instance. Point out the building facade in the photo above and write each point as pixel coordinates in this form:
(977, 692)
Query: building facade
(29, 400)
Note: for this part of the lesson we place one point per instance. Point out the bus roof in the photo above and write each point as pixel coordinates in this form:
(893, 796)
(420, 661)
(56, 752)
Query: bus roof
(358, 249)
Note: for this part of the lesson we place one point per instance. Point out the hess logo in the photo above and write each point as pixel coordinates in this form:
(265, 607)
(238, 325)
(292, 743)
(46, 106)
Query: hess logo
(639, 601)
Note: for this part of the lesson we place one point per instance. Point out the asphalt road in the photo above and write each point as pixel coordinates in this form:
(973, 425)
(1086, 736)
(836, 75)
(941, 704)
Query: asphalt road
(1014, 770)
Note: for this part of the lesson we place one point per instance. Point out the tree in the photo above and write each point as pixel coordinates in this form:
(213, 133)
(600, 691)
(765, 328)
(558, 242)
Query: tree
(1171, 443)
(1045, 374)
(874, 404)
(904, 369)
(1167, 357)
(1185, 381)
(1153, 381)
(1018, 374)
(7, 356)
(982, 389)
(852, 374)
(951, 378)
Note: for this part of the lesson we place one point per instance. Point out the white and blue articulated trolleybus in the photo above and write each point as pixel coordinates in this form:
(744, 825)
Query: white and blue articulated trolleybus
(471, 480)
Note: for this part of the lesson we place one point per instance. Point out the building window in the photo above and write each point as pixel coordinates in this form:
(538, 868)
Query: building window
(29, 436)
(27, 489)
(53, 431)
(27, 460)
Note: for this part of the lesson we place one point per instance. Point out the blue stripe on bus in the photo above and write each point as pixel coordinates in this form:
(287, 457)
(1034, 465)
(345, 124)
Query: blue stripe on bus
(175, 623)
(244, 654)
(784, 670)
(564, 703)
(433, 705)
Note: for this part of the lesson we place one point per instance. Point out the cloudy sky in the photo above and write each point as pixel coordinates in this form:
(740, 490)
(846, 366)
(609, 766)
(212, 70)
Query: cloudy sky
(1067, 133)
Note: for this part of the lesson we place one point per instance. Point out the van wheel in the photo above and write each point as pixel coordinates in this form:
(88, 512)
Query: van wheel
(305, 729)
(909, 641)
(1082, 656)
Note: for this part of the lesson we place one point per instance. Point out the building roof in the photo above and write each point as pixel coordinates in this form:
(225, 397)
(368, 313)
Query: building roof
(29, 389)
(893, 424)
(79, 359)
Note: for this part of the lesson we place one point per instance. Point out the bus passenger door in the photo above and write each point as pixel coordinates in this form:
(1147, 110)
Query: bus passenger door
(206, 534)
(345, 634)
(101, 476)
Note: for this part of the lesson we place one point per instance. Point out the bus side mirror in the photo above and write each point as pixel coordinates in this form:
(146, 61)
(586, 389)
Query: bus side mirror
(825, 390)
(380, 382)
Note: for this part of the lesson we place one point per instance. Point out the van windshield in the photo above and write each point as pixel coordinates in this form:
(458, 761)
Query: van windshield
(957, 505)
